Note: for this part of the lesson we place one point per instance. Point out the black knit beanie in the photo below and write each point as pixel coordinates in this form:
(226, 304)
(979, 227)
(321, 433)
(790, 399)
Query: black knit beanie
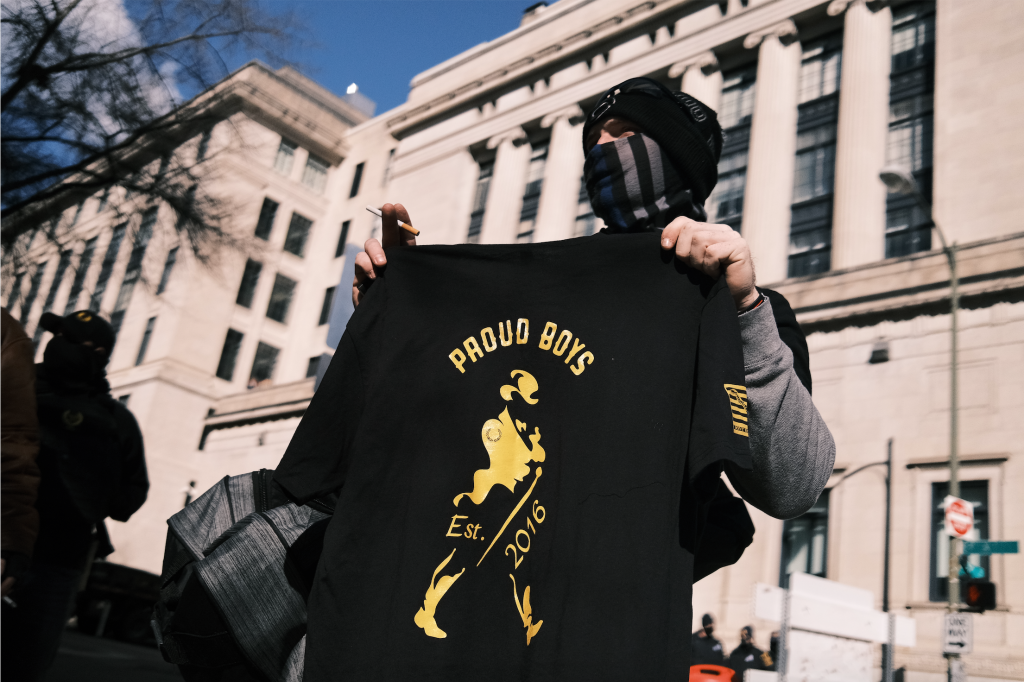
(686, 129)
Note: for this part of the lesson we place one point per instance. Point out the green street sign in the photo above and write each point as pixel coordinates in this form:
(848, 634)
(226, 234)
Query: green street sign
(991, 547)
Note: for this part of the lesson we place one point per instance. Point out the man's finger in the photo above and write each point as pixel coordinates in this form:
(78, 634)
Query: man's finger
(7, 586)
(684, 243)
(389, 226)
(364, 277)
(375, 252)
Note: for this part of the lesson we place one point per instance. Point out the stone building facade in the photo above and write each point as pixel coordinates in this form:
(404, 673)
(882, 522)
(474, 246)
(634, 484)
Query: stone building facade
(816, 97)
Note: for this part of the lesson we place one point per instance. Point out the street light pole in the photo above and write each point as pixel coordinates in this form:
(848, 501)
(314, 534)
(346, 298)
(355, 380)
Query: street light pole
(900, 181)
(887, 649)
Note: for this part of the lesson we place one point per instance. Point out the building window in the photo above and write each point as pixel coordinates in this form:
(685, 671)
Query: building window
(250, 276)
(80, 274)
(280, 298)
(134, 269)
(975, 492)
(188, 205)
(312, 367)
(228, 356)
(204, 144)
(342, 239)
(314, 175)
(104, 198)
(726, 202)
(805, 542)
(165, 277)
(78, 213)
(810, 237)
(737, 106)
(911, 88)
(266, 220)
(531, 197)
(586, 221)
(33, 291)
(483, 185)
(387, 168)
(144, 345)
(298, 230)
(285, 157)
(263, 365)
(357, 178)
(325, 310)
(109, 259)
(15, 293)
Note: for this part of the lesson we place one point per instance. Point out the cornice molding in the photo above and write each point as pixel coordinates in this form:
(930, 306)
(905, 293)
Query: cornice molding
(516, 136)
(783, 30)
(571, 113)
(706, 62)
(596, 31)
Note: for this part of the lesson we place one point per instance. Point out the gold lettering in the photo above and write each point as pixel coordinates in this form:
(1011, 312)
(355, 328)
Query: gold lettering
(424, 618)
(587, 357)
(547, 336)
(476, 530)
(502, 333)
(493, 345)
(560, 347)
(454, 526)
(576, 348)
(522, 330)
(459, 358)
(472, 348)
(469, 530)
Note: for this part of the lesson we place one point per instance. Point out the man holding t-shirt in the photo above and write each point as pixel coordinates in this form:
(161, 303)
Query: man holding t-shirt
(516, 500)
(655, 154)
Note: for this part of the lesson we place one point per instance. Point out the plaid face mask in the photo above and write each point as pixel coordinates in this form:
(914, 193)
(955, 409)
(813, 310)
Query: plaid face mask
(633, 187)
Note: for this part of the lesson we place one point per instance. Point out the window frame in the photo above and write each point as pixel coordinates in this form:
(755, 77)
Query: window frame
(278, 300)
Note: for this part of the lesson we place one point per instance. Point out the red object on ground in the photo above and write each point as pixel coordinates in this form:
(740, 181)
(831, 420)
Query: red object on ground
(711, 673)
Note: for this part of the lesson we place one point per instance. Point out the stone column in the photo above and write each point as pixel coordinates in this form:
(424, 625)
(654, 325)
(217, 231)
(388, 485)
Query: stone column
(559, 195)
(702, 78)
(858, 216)
(769, 189)
(505, 195)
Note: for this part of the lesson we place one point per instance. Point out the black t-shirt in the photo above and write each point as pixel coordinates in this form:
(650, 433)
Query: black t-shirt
(525, 439)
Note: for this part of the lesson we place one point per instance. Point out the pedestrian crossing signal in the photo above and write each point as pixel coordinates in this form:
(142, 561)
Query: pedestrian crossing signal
(980, 595)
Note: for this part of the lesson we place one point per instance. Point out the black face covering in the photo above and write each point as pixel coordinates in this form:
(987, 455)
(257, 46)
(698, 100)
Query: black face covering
(71, 364)
(634, 188)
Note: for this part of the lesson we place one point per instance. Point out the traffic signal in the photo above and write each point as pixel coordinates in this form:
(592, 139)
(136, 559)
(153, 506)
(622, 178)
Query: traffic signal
(980, 595)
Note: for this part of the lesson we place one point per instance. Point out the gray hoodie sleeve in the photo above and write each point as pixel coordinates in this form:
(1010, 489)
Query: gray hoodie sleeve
(791, 447)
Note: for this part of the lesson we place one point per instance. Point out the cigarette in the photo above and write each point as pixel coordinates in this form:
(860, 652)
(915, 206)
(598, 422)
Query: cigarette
(404, 226)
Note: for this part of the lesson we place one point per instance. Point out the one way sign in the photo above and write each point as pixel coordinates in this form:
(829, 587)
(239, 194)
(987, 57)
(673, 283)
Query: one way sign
(957, 633)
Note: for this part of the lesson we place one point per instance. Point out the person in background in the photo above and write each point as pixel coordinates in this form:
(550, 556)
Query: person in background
(20, 445)
(704, 648)
(92, 467)
(747, 656)
(773, 652)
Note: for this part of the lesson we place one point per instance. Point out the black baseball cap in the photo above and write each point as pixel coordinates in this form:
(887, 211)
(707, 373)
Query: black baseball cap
(80, 327)
(686, 129)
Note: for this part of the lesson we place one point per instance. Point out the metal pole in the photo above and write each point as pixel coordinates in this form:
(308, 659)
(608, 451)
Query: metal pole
(955, 669)
(887, 648)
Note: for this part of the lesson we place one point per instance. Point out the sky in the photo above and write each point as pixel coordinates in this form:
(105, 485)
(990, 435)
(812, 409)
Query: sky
(381, 44)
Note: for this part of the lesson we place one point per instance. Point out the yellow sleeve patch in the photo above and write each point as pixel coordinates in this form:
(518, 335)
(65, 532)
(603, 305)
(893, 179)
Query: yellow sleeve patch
(738, 404)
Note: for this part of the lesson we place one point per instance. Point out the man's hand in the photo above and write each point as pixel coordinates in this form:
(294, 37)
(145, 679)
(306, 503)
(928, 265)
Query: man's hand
(372, 259)
(714, 250)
